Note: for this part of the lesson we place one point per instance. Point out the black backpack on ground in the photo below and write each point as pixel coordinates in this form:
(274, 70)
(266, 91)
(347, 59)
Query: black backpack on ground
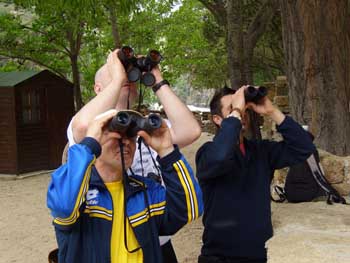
(305, 182)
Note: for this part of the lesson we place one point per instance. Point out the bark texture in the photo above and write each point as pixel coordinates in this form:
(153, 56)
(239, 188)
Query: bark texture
(316, 44)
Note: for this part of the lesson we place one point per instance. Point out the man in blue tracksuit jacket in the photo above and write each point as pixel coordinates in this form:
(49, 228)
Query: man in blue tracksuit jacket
(88, 198)
(235, 174)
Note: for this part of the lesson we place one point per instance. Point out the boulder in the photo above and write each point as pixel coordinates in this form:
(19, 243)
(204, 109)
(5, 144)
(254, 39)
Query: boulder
(334, 166)
(336, 169)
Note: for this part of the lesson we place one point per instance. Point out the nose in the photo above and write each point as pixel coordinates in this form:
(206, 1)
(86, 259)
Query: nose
(126, 141)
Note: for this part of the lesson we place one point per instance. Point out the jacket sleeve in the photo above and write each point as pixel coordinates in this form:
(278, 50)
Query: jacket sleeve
(70, 182)
(182, 195)
(212, 157)
(295, 148)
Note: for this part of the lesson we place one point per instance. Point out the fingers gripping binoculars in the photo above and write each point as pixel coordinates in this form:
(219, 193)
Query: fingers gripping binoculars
(253, 94)
(135, 66)
(130, 122)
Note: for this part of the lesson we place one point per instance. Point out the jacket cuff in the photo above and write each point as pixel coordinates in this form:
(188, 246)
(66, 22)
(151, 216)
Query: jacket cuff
(171, 158)
(284, 124)
(93, 145)
(232, 121)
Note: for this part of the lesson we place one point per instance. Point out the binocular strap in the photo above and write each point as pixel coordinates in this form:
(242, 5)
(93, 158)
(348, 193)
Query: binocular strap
(125, 182)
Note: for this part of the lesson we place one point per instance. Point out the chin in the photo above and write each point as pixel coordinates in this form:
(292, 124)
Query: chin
(127, 161)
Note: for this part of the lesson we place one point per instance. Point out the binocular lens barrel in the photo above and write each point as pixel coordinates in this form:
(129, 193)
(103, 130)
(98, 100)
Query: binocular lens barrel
(130, 123)
(134, 74)
(250, 93)
(120, 122)
(154, 121)
(123, 118)
(155, 56)
(253, 94)
(128, 52)
(148, 79)
(262, 91)
(136, 66)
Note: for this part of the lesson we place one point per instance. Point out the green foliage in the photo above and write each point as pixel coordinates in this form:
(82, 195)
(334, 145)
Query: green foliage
(43, 38)
(268, 54)
(188, 50)
(39, 33)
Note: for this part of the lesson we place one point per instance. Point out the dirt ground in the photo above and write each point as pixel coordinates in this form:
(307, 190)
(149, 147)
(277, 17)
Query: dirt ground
(310, 232)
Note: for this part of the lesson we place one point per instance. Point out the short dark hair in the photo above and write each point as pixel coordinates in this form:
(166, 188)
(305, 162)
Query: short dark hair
(215, 103)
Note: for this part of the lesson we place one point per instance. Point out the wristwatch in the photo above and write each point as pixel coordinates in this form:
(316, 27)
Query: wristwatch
(236, 113)
(159, 85)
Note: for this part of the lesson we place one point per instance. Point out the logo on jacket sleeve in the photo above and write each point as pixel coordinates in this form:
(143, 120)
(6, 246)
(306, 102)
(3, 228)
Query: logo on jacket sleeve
(91, 197)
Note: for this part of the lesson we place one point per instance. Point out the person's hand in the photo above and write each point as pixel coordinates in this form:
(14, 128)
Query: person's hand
(97, 128)
(157, 74)
(238, 100)
(160, 140)
(264, 107)
(115, 67)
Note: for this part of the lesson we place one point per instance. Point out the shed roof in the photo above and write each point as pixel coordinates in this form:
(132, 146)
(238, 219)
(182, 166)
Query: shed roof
(10, 79)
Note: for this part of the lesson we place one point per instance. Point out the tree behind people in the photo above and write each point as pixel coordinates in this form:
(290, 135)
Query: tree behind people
(316, 38)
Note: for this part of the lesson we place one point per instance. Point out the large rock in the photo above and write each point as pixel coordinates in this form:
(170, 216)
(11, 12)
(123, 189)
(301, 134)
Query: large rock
(334, 166)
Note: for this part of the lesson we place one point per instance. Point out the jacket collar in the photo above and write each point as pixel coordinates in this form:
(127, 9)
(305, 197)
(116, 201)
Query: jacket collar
(248, 145)
(132, 185)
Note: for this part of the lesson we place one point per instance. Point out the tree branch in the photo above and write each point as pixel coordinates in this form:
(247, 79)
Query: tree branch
(80, 34)
(65, 50)
(261, 21)
(36, 62)
(217, 8)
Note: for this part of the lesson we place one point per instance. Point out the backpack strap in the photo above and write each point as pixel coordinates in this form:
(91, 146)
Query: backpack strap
(281, 194)
(318, 174)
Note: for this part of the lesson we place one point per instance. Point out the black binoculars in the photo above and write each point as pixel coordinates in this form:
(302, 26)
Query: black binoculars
(130, 122)
(253, 94)
(135, 66)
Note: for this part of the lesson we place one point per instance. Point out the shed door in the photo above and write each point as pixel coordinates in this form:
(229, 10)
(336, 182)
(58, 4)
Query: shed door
(32, 135)
(60, 111)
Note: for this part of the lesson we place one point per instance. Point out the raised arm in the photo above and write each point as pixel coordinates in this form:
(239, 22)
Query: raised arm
(184, 127)
(110, 80)
(70, 182)
(212, 157)
(182, 195)
(296, 146)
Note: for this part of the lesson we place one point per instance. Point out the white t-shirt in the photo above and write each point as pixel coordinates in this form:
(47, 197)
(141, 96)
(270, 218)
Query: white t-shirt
(147, 163)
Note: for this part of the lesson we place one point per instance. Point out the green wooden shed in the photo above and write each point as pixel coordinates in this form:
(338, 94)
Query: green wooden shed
(35, 110)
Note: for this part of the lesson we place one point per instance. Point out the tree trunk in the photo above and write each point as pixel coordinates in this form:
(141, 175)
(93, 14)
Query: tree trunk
(115, 32)
(235, 43)
(240, 43)
(240, 47)
(317, 50)
(76, 82)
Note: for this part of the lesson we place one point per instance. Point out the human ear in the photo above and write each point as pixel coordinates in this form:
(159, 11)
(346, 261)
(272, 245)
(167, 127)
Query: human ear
(97, 88)
(217, 119)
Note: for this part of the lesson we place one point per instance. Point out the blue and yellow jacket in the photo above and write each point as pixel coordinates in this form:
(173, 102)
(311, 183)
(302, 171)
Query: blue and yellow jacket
(83, 209)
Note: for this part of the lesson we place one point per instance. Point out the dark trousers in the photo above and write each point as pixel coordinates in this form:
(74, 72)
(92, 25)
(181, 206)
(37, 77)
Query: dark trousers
(168, 253)
(221, 259)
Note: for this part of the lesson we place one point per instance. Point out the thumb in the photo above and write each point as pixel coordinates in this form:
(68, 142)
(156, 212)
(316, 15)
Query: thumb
(106, 116)
(251, 105)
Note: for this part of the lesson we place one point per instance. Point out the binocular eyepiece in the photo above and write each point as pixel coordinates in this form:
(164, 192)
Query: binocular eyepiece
(130, 122)
(253, 94)
(135, 66)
